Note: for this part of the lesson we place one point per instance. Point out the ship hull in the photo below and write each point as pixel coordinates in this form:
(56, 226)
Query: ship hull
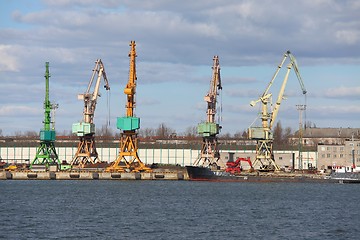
(205, 174)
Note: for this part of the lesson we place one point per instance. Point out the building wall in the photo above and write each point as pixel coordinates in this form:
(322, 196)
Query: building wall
(339, 155)
(350, 147)
(331, 155)
(181, 156)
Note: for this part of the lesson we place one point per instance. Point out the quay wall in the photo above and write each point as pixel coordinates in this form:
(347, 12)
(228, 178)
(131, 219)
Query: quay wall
(83, 175)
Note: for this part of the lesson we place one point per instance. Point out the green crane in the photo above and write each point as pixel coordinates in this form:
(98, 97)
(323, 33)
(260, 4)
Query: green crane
(46, 152)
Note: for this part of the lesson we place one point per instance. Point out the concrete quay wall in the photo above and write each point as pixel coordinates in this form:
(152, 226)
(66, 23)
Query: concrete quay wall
(84, 175)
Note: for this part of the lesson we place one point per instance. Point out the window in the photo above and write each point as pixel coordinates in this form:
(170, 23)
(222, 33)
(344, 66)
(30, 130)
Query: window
(328, 155)
(341, 155)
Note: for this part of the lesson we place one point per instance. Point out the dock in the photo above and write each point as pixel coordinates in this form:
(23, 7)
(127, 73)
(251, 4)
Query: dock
(93, 175)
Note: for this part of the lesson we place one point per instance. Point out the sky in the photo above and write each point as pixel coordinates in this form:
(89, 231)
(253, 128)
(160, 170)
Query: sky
(175, 44)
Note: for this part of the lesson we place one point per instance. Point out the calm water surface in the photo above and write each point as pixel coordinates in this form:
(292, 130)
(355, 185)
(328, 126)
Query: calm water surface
(178, 210)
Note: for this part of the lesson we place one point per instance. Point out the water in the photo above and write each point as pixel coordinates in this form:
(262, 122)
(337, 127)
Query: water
(177, 210)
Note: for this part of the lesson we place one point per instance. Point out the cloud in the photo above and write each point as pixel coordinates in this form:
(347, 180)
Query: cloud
(176, 41)
(350, 37)
(343, 93)
(8, 61)
(14, 110)
(81, 3)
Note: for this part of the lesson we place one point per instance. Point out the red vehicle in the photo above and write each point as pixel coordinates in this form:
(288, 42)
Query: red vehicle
(235, 167)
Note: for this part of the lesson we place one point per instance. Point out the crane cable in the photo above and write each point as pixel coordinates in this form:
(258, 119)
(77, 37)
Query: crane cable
(220, 108)
(108, 108)
(305, 111)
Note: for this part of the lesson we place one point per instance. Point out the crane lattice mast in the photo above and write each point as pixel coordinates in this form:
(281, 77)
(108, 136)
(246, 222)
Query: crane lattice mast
(46, 152)
(85, 130)
(264, 135)
(210, 154)
(128, 158)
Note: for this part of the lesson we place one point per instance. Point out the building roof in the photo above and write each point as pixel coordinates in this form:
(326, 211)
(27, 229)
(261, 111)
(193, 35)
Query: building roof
(331, 132)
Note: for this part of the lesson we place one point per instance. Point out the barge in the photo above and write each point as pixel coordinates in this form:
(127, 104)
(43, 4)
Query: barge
(196, 173)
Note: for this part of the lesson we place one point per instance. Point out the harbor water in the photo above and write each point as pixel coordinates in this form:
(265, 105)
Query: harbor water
(178, 210)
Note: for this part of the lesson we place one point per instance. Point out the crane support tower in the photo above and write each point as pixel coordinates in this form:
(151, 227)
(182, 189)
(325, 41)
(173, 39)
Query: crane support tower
(46, 152)
(210, 154)
(264, 135)
(128, 158)
(85, 130)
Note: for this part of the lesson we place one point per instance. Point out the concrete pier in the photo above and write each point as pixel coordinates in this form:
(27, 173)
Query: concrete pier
(89, 175)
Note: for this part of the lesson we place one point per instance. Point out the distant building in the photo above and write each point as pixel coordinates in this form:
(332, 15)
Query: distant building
(326, 136)
(339, 155)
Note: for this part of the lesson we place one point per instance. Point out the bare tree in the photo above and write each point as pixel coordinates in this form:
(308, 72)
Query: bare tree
(104, 131)
(238, 135)
(31, 134)
(191, 132)
(164, 131)
(245, 134)
(278, 134)
(287, 135)
(147, 132)
(18, 133)
(225, 136)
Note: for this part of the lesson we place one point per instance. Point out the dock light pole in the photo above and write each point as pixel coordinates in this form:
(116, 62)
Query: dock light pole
(300, 108)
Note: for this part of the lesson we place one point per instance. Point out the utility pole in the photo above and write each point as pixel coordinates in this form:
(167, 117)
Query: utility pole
(300, 108)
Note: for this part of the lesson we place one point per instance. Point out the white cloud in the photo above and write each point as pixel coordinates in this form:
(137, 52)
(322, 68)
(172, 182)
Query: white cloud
(350, 37)
(8, 61)
(343, 92)
(175, 40)
(15, 110)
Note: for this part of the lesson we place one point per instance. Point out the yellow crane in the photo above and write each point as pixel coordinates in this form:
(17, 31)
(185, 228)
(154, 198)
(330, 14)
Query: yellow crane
(128, 158)
(85, 130)
(264, 135)
(210, 154)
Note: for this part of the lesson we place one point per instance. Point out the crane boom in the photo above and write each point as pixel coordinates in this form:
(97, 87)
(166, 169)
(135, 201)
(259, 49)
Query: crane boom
(90, 99)
(130, 88)
(215, 85)
(293, 64)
